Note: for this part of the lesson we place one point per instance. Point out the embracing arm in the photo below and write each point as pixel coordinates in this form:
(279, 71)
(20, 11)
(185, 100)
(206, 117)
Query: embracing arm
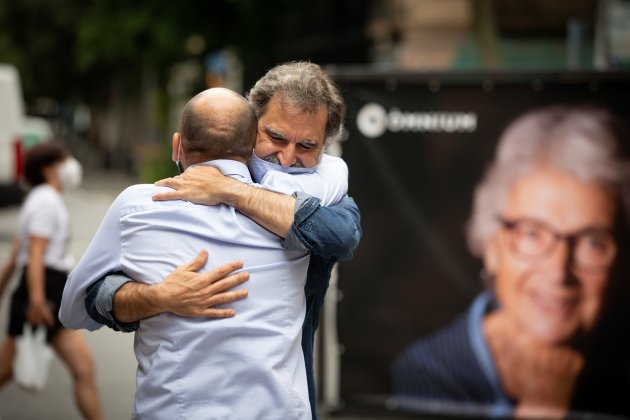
(279, 212)
(272, 210)
(207, 185)
(271, 206)
(328, 183)
(331, 232)
(119, 302)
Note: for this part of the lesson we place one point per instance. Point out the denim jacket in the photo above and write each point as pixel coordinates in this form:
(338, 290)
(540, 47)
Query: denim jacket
(331, 234)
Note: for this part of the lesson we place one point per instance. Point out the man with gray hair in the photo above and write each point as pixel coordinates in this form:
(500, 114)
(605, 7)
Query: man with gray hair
(550, 220)
(298, 108)
(250, 366)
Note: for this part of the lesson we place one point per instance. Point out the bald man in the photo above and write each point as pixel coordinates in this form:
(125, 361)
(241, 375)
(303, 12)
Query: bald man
(246, 367)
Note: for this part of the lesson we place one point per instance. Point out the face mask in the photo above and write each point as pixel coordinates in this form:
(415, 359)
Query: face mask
(259, 167)
(70, 173)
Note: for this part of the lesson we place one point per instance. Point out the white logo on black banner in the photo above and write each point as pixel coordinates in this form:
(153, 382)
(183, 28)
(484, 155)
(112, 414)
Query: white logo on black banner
(373, 120)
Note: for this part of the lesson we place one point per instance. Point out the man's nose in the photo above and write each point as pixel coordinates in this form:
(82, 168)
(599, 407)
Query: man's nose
(287, 156)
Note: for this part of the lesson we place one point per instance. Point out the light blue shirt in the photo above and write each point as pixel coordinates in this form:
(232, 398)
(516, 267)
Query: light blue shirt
(250, 366)
(502, 406)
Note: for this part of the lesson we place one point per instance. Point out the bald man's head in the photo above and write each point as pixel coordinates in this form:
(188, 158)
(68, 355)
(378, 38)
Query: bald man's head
(217, 124)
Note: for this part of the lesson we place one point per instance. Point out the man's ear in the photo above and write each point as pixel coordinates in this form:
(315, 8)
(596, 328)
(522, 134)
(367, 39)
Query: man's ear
(177, 138)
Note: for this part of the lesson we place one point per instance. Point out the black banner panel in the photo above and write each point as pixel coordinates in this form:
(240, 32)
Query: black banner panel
(416, 147)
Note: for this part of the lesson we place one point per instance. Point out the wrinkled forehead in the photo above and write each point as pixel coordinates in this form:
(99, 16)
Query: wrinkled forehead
(295, 124)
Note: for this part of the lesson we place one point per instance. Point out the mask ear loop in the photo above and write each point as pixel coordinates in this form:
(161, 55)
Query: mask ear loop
(178, 163)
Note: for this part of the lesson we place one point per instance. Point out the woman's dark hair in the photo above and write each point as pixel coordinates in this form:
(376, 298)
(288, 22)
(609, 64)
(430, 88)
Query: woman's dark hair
(39, 157)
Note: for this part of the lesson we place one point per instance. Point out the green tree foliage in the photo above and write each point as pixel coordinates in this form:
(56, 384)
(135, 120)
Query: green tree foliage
(118, 56)
(65, 47)
(38, 36)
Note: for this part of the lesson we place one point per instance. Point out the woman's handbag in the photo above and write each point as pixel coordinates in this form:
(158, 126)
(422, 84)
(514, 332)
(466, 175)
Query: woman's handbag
(32, 361)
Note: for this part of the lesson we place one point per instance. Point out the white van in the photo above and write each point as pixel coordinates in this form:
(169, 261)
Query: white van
(18, 132)
(11, 121)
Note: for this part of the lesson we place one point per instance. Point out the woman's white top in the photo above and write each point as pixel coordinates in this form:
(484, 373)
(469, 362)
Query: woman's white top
(44, 215)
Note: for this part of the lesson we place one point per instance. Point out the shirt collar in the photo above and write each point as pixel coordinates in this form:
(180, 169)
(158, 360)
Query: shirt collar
(231, 168)
(482, 305)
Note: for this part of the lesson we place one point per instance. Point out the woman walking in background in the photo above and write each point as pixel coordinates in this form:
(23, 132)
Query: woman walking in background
(40, 251)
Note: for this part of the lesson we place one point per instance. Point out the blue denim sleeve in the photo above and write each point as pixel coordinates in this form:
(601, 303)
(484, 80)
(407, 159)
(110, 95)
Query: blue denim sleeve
(99, 302)
(330, 232)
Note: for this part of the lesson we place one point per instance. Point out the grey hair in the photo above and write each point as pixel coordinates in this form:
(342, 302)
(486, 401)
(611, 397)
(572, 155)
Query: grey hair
(303, 87)
(582, 141)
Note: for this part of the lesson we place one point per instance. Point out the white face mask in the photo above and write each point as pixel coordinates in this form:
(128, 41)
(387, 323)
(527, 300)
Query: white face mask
(70, 173)
(259, 167)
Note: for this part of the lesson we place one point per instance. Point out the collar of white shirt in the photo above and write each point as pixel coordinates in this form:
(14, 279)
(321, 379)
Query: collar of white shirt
(232, 168)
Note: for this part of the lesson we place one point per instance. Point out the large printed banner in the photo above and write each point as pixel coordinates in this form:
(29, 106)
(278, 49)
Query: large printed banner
(415, 301)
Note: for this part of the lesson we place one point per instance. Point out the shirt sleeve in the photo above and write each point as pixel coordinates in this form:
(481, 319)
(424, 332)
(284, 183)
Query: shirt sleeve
(331, 232)
(101, 257)
(329, 182)
(99, 302)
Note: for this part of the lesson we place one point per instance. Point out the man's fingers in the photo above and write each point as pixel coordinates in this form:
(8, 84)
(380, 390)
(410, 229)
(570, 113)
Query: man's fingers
(227, 297)
(218, 313)
(224, 270)
(207, 307)
(196, 264)
(209, 312)
(228, 283)
(168, 195)
(175, 183)
(172, 182)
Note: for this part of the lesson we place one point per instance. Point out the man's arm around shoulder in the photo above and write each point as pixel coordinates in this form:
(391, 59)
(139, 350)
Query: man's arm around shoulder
(331, 232)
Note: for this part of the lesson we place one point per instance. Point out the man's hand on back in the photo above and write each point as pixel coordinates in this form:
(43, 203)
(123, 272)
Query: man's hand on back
(200, 185)
(185, 292)
(188, 293)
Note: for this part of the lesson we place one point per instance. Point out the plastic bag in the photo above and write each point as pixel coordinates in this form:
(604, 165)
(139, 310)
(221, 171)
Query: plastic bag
(32, 361)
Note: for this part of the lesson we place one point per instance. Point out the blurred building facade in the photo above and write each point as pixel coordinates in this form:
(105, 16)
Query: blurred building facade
(133, 116)
(429, 35)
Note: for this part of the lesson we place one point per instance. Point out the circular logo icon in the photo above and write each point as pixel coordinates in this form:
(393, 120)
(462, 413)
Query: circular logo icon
(372, 120)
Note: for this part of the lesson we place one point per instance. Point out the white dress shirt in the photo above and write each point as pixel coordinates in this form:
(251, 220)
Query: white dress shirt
(249, 366)
(327, 181)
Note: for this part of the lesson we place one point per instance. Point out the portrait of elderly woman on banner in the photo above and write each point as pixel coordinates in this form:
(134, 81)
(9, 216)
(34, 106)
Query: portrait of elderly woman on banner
(548, 336)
